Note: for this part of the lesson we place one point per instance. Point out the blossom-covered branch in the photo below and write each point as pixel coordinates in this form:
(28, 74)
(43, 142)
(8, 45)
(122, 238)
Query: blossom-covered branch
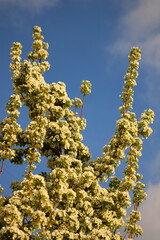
(68, 201)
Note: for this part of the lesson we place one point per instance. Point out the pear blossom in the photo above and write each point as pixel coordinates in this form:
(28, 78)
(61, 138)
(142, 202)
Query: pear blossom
(68, 201)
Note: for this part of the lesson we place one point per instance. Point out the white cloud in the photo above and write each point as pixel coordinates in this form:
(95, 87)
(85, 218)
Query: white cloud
(140, 27)
(155, 167)
(32, 5)
(144, 19)
(150, 211)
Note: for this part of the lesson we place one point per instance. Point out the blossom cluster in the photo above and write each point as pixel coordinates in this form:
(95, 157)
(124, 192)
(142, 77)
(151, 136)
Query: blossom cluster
(69, 201)
(126, 145)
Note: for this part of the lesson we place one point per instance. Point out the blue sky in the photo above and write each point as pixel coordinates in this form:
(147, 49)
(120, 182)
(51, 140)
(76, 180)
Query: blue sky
(90, 40)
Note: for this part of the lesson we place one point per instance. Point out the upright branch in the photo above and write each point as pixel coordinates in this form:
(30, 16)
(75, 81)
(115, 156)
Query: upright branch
(85, 89)
(114, 152)
(126, 145)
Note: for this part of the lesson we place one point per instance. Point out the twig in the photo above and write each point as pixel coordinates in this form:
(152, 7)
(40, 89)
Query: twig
(2, 167)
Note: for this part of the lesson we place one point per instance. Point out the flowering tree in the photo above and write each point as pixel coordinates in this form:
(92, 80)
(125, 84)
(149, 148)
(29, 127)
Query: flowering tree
(70, 201)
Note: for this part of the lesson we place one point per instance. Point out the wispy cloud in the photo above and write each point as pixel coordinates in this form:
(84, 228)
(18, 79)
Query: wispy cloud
(31, 5)
(155, 167)
(150, 211)
(143, 19)
(140, 26)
